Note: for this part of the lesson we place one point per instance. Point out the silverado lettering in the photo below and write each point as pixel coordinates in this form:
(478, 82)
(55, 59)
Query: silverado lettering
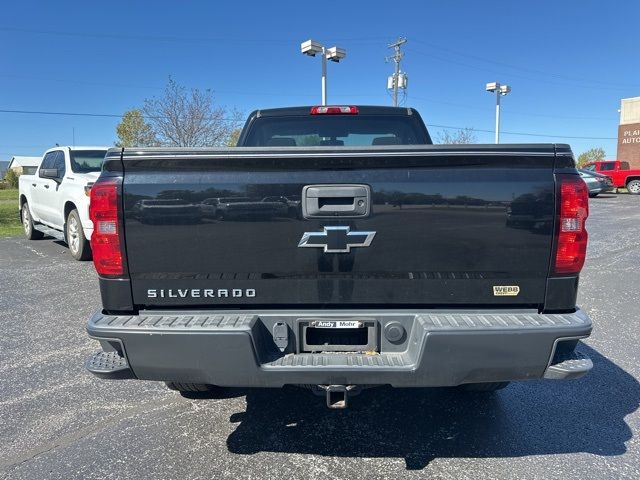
(201, 293)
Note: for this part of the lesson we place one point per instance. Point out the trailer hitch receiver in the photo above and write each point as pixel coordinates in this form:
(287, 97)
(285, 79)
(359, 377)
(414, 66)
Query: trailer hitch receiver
(338, 395)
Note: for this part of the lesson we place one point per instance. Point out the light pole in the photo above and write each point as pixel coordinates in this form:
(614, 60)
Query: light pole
(500, 90)
(335, 54)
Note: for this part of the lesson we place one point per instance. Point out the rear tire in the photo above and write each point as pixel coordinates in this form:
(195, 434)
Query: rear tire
(633, 187)
(77, 242)
(27, 223)
(483, 387)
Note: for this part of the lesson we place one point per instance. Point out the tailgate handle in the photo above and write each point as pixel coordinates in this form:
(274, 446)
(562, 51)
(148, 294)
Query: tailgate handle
(330, 201)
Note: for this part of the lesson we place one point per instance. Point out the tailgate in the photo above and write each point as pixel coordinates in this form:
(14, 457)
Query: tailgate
(450, 227)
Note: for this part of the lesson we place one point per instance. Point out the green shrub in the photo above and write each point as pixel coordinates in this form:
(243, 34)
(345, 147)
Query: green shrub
(11, 177)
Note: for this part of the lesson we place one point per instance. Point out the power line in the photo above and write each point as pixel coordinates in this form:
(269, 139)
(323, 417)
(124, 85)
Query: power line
(23, 146)
(148, 87)
(174, 39)
(517, 67)
(591, 84)
(106, 115)
(78, 82)
(299, 94)
(111, 115)
(516, 112)
(450, 127)
(517, 75)
(357, 40)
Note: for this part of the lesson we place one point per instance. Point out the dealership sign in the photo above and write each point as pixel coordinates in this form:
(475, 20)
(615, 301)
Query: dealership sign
(629, 144)
(629, 132)
(630, 136)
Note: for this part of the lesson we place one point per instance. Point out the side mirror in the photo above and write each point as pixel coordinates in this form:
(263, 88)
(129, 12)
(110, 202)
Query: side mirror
(51, 173)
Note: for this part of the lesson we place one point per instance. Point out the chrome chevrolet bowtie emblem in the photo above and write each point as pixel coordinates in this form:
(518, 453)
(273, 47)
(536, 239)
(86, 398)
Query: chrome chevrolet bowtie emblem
(336, 239)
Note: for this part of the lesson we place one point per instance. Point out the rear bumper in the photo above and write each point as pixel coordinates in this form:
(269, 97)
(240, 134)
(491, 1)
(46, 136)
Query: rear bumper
(437, 349)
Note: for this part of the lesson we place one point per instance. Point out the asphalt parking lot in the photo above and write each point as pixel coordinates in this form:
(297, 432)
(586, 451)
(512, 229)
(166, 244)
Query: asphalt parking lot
(57, 421)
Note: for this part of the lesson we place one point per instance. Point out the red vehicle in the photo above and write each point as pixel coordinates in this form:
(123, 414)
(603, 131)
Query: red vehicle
(620, 173)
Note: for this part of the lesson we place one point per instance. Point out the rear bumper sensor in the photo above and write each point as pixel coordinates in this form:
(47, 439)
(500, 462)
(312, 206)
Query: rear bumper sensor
(264, 349)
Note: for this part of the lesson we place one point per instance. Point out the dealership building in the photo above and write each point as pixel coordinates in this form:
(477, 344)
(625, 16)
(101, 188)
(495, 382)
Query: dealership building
(629, 132)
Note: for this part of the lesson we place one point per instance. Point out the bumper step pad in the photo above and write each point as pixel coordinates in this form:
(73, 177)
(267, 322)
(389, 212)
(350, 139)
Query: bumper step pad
(571, 365)
(109, 365)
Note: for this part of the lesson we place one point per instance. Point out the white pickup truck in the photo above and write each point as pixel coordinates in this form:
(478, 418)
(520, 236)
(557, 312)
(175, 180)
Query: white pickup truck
(55, 200)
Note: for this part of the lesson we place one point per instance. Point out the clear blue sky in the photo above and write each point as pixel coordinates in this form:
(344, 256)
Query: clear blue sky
(568, 62)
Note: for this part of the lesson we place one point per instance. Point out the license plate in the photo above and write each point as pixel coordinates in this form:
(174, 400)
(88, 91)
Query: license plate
(337, 324)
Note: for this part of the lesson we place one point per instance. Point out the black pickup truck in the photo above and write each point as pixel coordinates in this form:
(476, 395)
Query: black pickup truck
(392, 261)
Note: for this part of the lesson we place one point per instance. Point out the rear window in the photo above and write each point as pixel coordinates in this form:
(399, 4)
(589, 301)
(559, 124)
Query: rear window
(335, 130)
(85, 161)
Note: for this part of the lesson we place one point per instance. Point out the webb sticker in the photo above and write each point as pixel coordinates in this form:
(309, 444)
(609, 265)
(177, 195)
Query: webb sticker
(505, 290)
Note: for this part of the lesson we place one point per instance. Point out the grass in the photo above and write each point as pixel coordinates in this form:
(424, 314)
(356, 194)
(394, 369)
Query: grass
(9, 217)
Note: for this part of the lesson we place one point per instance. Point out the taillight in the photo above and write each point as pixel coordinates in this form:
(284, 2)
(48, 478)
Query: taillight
(334, 110)
(105, 239)
(572, 213)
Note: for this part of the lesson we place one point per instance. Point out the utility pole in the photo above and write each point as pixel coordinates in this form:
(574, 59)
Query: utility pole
(398, 80)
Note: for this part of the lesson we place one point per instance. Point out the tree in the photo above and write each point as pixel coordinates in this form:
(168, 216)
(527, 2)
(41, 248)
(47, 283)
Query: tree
(232, 141)
(134, 131)
(11, 177)
(591, 155)
(464, 135)
(309, 141)
(183, 118)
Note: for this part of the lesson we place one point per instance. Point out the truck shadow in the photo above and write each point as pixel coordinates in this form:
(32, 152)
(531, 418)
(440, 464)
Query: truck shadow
(419, 425)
